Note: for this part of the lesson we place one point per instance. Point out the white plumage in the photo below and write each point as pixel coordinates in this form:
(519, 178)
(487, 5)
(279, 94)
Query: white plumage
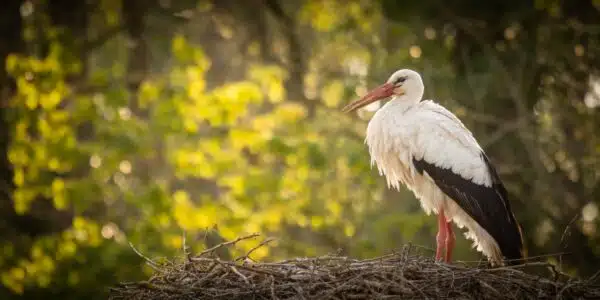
(428, 149)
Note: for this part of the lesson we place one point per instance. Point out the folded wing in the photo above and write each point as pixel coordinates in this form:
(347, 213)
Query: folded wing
(448, 153)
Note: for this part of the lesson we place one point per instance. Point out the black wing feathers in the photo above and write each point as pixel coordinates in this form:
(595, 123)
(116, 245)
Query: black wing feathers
(488, 206)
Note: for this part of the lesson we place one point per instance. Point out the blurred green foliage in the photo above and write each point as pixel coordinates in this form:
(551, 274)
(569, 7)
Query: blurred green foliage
(194, 124)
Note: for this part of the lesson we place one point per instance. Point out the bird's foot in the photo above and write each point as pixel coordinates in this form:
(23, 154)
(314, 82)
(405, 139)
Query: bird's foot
(441, 236)
(440, 243)
(449, 242)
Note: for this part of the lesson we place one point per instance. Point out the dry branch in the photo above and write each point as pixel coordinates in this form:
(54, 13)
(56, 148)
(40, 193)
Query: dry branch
(404, 275)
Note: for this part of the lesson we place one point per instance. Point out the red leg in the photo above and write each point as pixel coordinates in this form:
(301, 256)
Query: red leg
(449, 242)
(441, 235)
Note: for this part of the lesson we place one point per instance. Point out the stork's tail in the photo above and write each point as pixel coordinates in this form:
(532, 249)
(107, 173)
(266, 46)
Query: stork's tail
(505, 229)
(511, 243)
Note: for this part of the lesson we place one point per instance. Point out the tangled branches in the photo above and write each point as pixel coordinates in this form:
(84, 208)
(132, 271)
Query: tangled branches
(403, 275)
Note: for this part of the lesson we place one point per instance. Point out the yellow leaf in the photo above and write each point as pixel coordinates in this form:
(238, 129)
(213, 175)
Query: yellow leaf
(53, 164)
(212, 147)
(164, 220)
(59, 201)
(44, 127)
(317, 222)
(12, 62)
(31, 101)
(334, 208)
(180, 48)
(271, 79)
(148, 93)
(207, 170)
(332, 93)
(66, 249)
(12, 284)
(183, 210)
(47, 263)
(190, 125)
(235, 183)
(349, 230)
(200, 59)
(206, 216)
(292, 159)
(22, 199)
(322, 15)
(51, 100)
(227, 233)
(263, 123)
(79, 222)
(181, 197)
(19, 177)
(32, 174)
(195, 74)
(36, 251)
(173, 241)
(59, 116)
(195, 88)
(272, 218)
(41, 154)
(302, 173)
(243, 138)
(276, 92)
(21, 130)
(290, 112)
(247, 93)
(301, 220)
(252, 226)
(17, 273)
(30, 268)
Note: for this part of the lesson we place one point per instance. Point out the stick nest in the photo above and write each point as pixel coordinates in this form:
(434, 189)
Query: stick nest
(402, 275)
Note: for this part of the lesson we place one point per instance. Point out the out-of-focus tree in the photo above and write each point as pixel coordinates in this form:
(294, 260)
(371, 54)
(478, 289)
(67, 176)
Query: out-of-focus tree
(109, 145)
(133, 121)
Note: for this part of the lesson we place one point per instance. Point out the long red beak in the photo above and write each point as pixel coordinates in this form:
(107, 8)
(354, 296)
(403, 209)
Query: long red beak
(383, 91)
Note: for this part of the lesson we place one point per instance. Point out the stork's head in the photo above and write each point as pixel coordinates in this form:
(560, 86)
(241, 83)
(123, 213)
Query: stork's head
(403, 85)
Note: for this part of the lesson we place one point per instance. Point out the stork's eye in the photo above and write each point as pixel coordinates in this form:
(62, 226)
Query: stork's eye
(400, 80)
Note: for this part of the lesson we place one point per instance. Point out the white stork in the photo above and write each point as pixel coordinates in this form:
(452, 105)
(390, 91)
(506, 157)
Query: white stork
(427, 148)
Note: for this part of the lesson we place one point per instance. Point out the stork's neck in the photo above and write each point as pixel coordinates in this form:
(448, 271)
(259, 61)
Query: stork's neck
(404, 102)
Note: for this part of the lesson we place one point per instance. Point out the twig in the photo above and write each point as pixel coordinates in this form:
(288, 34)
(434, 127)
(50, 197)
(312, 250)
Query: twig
(212, 249)
(247, 255)
(148, 285)
(273, 295)
(184, 246)
(150, 262)
(564, 235)
(239, 274)
(529, 258)
(257, 270)
(552, 267)
(594, 277)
